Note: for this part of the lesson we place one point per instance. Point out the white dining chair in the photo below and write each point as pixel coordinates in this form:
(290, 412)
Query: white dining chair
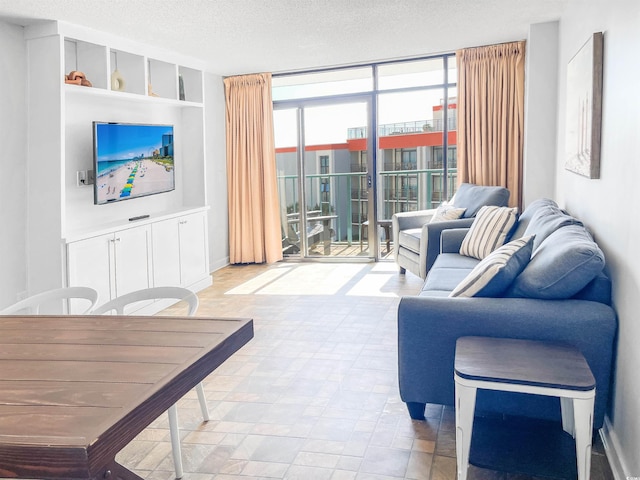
(118, 305)
(51, 300)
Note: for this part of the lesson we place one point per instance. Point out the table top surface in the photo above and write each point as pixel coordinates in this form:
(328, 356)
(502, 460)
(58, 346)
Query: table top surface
(522, 362)
(74, 390)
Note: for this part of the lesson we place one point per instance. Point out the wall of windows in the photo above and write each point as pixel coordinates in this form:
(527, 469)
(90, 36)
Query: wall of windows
(401, 157)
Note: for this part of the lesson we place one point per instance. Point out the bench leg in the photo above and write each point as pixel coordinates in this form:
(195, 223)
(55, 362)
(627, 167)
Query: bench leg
(403, 270)
(583, 426)
(465, 409)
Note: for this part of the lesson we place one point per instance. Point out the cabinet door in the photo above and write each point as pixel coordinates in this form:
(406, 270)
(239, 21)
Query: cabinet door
(89, 264)
(132, 259)
(166, 253)
(194, 255)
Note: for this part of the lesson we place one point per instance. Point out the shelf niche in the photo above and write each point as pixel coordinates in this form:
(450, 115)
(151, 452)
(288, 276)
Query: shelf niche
(87, 58)
(127, 73)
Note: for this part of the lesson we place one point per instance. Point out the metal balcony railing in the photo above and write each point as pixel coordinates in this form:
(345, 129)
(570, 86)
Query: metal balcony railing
(400, 191)
(403, 128)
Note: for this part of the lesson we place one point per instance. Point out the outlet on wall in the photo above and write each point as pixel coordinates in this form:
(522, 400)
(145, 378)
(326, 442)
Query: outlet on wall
(84, 177)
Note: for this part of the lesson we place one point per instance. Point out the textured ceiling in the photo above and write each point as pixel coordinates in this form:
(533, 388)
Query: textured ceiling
(236, 37)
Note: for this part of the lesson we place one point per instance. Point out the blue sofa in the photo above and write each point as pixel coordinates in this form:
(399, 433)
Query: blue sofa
(562, 295)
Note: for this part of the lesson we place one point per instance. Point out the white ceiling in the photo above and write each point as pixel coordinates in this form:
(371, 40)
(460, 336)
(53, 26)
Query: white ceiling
(236, 37)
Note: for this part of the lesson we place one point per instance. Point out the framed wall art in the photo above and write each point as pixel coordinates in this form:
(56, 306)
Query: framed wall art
(584, 108)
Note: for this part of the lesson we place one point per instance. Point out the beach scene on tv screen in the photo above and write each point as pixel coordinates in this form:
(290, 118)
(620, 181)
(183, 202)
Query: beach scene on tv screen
(133, 161)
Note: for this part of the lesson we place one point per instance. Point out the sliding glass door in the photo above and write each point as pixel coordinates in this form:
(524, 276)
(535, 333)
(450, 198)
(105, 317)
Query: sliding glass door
(322, 175)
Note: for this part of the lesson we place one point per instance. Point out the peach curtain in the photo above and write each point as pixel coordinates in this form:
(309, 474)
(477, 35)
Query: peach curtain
(491, 116)
(254, 219)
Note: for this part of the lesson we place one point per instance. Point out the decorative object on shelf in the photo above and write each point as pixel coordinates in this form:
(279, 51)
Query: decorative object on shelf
(150, 91)
(117, 81)
(584, 109)
(77, 78)
(149, 87)
(181, 87)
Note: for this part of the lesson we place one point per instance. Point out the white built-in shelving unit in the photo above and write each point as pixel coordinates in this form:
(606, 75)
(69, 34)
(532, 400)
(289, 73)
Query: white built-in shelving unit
(131, 83)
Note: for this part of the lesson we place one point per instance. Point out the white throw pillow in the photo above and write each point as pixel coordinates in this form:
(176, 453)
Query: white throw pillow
(488, 231)
(447, 212)
(496, 272)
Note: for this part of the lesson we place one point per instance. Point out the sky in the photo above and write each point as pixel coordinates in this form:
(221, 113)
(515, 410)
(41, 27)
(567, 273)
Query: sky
(123, 141)
(329, 124)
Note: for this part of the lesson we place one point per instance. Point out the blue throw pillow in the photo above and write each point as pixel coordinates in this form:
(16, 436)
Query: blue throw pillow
(564, 263)
(473, 197)
(494, 273)
(526, 216)
(546, 220)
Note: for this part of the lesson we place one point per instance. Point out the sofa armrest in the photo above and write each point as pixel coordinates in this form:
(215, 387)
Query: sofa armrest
(430, 249)
(405, 220)
(428, 328)
(451, 239)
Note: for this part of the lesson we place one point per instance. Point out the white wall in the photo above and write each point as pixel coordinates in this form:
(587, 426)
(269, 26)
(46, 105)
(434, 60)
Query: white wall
(216, 171)
(609, 205)
(541, 80)
(13, 144)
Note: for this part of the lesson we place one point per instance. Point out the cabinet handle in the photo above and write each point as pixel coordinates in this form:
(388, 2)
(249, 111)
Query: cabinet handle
(182, 222)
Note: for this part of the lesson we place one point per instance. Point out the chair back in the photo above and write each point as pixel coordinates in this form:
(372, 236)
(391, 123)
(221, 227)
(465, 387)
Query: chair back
(118, 304)
(35, 304)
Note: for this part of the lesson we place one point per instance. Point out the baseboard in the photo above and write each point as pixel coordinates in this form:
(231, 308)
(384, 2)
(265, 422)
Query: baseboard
(201, 284)
(612, 450)
(217, 265)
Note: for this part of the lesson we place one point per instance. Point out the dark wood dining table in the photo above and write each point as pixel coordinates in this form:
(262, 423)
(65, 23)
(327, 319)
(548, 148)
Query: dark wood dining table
(75, 390)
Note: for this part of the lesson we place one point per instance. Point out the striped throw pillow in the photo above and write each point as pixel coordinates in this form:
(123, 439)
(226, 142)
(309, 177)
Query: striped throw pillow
(488, 231)
(496, 272)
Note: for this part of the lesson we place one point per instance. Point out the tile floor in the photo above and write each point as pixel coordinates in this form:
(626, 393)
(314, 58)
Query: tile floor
(314, 395)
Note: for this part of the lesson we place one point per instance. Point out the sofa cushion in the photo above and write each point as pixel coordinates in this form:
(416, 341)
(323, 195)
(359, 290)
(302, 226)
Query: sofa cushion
(488, 231)
(447, 212)
(444, 279)
(525, 217)
(493, 275)
(474, 197)
(564, 263)
(546, 220)
(410, 238)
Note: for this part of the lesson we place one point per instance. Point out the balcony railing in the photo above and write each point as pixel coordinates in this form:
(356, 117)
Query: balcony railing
(403, 128)
(401, 190)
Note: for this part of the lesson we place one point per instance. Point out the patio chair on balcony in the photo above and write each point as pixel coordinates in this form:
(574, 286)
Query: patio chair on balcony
(416, 241)
(315, 231)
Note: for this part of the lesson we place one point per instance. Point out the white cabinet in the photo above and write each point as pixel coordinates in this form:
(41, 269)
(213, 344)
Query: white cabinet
(180, 253)
(170, 250)
(89, 264)
(194, 251)
(113, 264)
(132, 266)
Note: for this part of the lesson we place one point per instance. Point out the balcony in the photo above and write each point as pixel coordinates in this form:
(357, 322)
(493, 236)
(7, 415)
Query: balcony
(404, 128)
(335, 221)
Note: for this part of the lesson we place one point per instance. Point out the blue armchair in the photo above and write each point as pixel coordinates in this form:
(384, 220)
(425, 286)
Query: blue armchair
(416, 242)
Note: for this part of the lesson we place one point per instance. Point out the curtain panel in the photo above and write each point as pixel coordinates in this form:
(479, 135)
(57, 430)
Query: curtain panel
(254, 219)
(491, 116)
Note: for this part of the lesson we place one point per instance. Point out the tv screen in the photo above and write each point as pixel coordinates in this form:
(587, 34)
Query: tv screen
(132, 160)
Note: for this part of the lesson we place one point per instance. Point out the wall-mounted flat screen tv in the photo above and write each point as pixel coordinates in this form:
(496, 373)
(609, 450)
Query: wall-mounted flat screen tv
(132, 160)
